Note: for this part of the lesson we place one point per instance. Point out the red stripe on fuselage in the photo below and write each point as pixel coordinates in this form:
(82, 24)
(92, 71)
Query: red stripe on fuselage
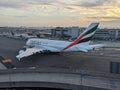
(75, 42)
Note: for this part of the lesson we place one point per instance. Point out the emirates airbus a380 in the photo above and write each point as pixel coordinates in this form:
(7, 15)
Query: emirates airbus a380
(82, 43)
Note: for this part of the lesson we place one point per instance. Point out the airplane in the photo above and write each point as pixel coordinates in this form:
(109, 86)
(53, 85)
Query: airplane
(23, 36)
(82, 43)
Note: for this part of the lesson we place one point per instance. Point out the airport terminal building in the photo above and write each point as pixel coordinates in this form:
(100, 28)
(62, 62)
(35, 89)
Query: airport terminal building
(73, 32)
(63, 33)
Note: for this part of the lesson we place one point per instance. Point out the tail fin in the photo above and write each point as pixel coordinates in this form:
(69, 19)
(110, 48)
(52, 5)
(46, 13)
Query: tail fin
(86, 36)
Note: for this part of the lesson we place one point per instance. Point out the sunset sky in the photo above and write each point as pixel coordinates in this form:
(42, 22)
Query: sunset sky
(60, 12)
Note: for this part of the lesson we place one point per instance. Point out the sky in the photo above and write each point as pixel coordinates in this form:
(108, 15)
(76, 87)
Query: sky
(60, 13)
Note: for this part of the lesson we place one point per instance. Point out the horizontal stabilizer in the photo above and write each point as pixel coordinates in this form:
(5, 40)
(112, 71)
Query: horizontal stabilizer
(97, 46)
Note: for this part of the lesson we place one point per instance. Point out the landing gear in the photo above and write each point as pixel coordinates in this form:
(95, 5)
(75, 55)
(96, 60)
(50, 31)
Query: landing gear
(46, 51)
(49, 52)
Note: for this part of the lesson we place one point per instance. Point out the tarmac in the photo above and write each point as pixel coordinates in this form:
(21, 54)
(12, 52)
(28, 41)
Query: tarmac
(97, 61)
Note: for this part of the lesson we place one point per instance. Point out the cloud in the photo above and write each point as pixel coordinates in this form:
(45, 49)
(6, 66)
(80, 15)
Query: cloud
(93, 3)
(20, 16)
(70, 8)
(25, 3)
(10, 4)
(80, 3)
(86, 10)
(99, 19)
(44, 1)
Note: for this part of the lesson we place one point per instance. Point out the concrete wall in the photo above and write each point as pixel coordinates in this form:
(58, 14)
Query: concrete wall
(64, 80)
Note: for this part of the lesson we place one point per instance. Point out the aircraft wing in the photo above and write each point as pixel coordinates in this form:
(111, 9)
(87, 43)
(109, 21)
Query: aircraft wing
(28, 52)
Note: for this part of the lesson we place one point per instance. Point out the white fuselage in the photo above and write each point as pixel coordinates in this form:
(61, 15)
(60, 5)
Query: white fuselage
(55, 45)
